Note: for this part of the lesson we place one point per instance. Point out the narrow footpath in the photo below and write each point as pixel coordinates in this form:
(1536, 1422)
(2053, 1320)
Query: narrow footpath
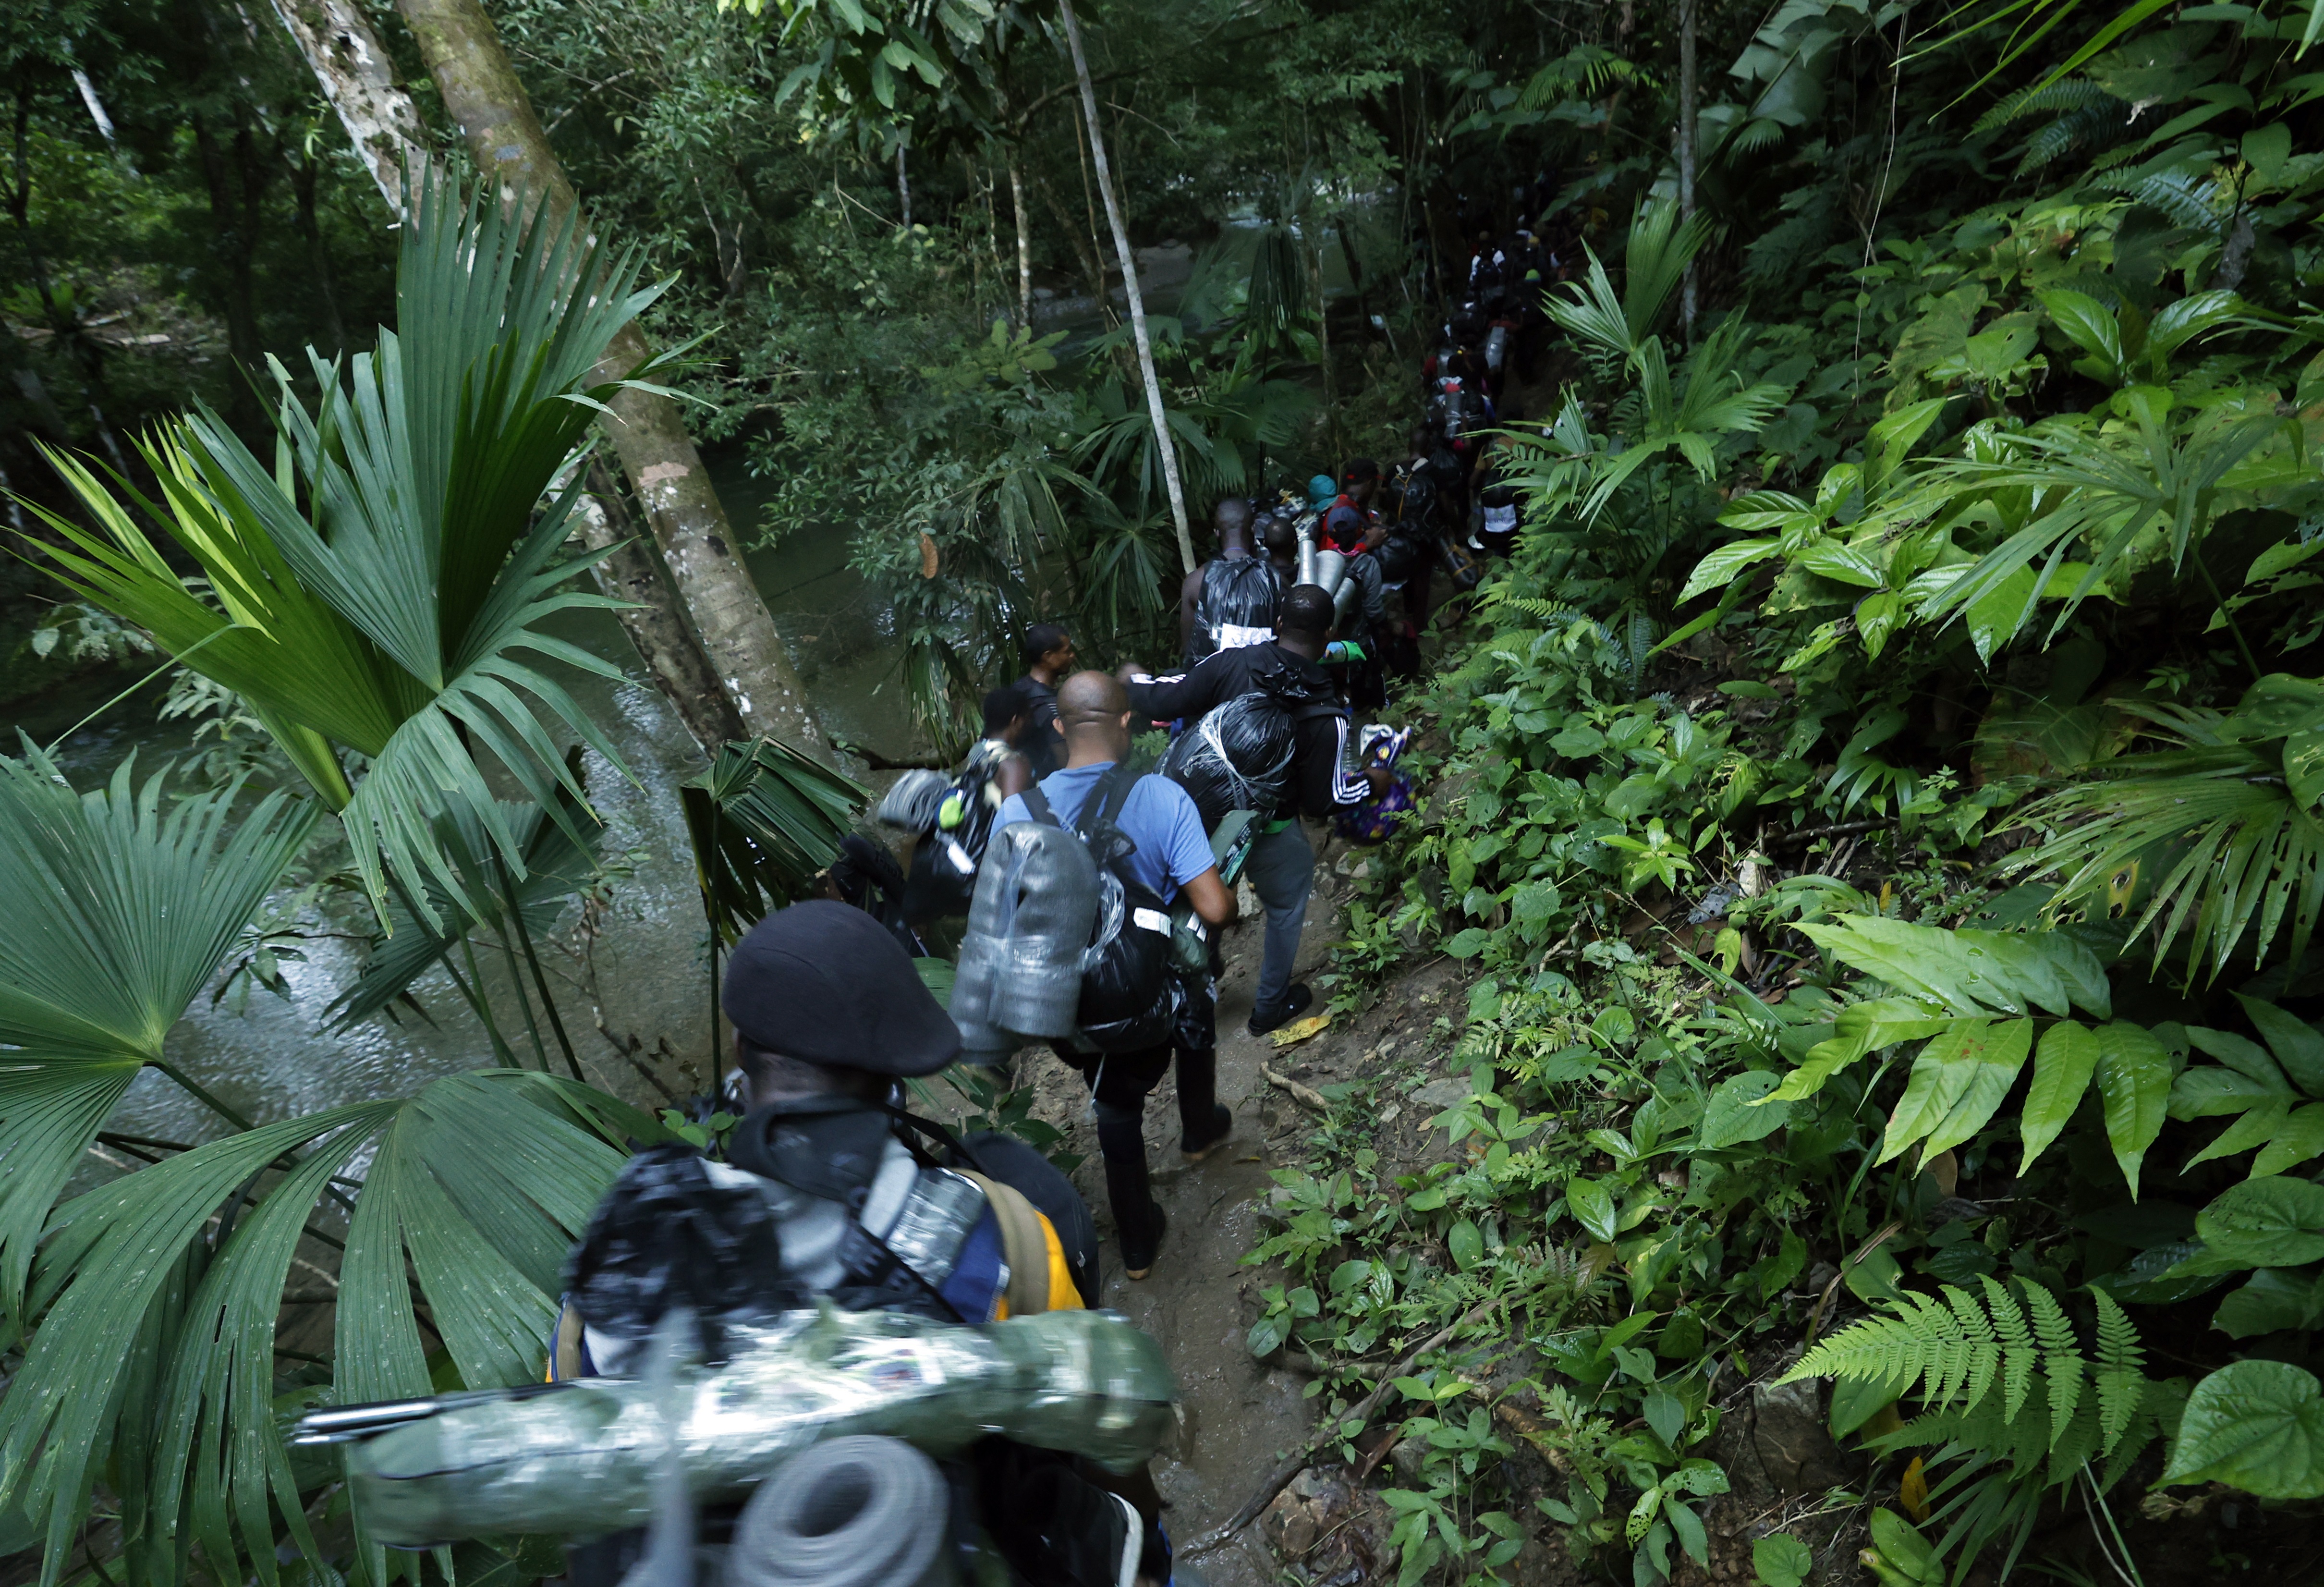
(1238, 1417)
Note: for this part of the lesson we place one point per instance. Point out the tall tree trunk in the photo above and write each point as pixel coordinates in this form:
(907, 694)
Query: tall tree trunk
(481, 90)
(1129, 283)
(903, 187)
(1024, 242)
(1686, 10)
(655, 623)
(359, 77)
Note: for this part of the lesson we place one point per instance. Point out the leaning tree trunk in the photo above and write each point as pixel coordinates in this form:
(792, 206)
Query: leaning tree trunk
(1130, 284)
(358, 78)
(481, 90)
(655, 622)
(478, 85)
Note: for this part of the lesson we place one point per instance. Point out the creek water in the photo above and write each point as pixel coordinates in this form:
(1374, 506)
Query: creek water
(646, 958)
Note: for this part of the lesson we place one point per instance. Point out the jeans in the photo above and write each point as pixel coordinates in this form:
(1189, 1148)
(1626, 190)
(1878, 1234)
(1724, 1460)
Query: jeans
(1282, 871)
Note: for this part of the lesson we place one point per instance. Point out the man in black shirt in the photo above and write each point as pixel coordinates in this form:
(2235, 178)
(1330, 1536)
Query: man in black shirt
(1049, 652)
(1282, 864)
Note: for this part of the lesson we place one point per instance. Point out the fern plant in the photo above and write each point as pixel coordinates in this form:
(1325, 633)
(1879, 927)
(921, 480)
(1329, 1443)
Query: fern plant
(2010, 1400)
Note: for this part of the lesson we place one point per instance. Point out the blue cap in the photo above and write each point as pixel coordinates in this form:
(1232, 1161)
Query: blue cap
(1323, 490)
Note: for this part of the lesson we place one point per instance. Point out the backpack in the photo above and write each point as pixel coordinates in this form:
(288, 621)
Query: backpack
(1237, 607)
(1129, 996)
(956, 826)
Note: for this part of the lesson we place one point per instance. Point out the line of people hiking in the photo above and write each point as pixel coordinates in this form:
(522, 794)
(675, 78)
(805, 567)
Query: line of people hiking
(1088, 899)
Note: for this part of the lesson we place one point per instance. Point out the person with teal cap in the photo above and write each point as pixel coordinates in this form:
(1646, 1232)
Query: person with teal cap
(1323, 490)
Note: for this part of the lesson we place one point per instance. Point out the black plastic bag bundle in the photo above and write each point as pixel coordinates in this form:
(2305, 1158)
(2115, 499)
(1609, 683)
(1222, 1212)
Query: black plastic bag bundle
(1236, 758)
(668, 1234)
(1129, 997)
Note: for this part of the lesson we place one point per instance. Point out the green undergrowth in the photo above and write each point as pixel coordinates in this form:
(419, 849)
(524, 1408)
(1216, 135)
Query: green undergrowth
(1884, 878)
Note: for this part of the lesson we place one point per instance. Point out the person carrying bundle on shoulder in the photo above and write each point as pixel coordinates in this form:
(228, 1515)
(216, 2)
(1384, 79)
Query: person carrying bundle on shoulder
(1282, 864)
(831, 1192)
(950, 819)
(1229, 600)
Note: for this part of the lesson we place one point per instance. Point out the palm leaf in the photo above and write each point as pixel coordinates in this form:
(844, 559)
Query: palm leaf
(2209, 833)
(119, 915)
(477, 1186)
(764, 819)
(555, 868)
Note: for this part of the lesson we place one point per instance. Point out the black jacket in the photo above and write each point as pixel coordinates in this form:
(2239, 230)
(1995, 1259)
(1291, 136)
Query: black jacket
(1319, 780)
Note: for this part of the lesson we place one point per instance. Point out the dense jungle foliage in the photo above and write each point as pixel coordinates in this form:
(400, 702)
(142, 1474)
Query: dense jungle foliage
(1876, 811)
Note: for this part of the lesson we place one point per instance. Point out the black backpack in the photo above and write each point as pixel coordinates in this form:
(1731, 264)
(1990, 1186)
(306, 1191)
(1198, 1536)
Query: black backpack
(1128, 999)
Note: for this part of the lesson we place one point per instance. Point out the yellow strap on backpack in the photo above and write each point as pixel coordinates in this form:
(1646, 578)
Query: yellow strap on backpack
(1039, 1277)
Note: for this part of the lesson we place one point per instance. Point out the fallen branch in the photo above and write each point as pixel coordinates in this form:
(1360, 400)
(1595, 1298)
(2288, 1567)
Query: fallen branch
(1307, 1096)
(1360, 1413)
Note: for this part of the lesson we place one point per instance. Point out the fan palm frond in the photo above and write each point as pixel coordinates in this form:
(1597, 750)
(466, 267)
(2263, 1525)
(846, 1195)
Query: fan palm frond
(120, 913)
(764, 819)
(2222, 834)
(377, 587)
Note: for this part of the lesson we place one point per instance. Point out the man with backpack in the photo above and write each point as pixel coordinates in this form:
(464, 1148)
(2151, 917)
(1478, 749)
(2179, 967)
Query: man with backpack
(1282, 864)
(832, 1193)
(1230, 599)
(1168, 854)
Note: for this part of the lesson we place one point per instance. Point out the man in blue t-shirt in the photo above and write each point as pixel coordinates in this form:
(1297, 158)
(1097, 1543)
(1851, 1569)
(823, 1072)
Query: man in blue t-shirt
(1172, 855)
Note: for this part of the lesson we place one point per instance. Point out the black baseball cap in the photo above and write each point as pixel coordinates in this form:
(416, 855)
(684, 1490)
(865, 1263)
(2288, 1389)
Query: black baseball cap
(825, 983)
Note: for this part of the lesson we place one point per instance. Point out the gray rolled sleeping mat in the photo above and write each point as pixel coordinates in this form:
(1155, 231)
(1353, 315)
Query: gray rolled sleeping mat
(854, 1512)
(581, 1458)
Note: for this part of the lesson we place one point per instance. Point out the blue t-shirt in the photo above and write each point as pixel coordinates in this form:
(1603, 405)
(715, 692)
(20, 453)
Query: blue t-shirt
(1159, 817)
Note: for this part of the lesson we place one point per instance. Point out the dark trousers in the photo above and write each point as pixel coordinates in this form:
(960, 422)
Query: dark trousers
(1120, 1084)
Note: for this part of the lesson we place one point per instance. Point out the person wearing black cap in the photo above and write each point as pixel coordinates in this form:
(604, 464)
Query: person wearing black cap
(832, 1190)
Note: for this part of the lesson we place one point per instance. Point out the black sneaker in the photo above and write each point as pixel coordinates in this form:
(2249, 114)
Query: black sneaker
(1294, 1003)
(1222, 1126)
(1138, 1264)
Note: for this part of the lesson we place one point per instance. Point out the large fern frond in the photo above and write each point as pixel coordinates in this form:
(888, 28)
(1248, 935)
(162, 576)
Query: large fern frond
(1974, 1362)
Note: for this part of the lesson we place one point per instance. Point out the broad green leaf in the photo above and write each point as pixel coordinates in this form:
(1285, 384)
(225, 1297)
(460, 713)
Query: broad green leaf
(2257, 1127)
(2303, 767)
(2271, 1301)
(2272, 1222)
(1969, 972)
(2205, 1092)
(1957, 1082)
(2256, 1426)
(1883, 1021)
(1997, 1058)
(2241, 1054)
(2300, 1137)
(1465, 1244)
(2295, 1043)
(2090, 325)
(1593, 1207)
(1721, 567)
(1780, 1559)
(1731, 1117)
(1823, 1060)
(2133, 1082)
(2062, 1068)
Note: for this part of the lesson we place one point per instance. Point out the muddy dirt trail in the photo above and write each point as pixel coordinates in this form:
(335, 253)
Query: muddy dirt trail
(1239, 1417)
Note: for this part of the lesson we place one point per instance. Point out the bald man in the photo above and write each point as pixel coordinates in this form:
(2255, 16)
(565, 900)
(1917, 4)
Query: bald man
(1172, 855)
